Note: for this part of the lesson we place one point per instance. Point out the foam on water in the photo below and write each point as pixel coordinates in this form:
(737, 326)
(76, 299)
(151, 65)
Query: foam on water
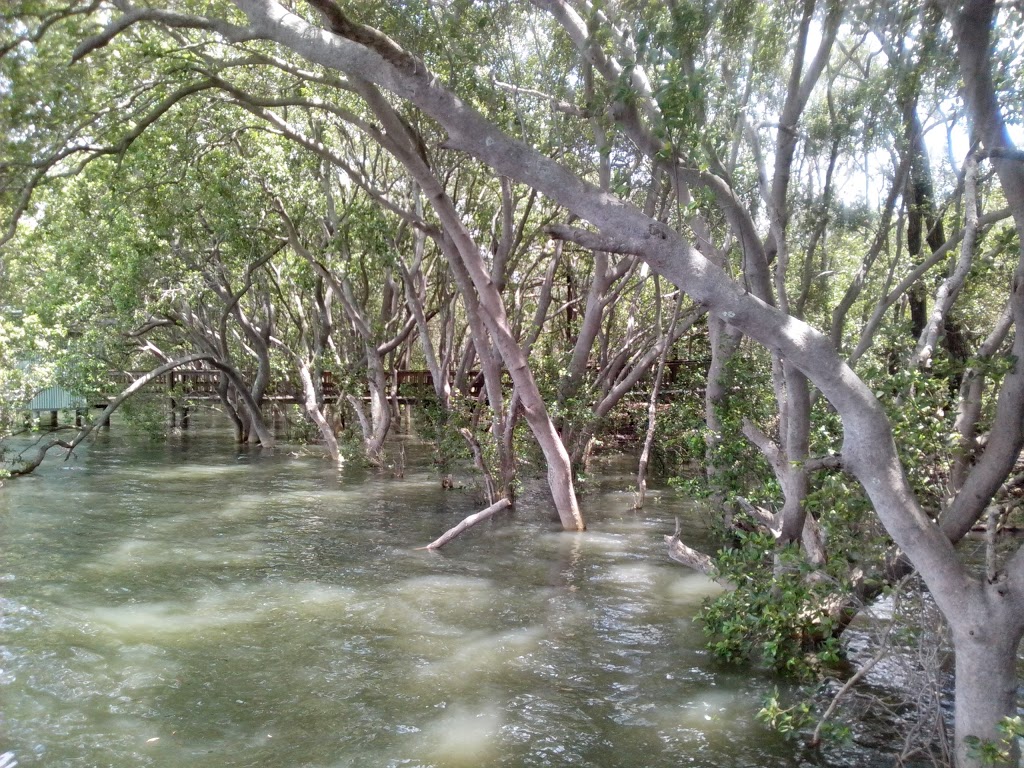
(168, 621)
(462, 737)
(479, 656)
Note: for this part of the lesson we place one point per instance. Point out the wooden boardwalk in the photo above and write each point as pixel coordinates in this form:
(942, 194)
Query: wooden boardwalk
(200, 384)
(409, 386)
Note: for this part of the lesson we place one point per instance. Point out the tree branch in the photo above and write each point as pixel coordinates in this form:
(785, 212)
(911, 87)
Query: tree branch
(168, 19)
(28, 466)
(765, 444)
(556, 104)
(833, 461)
(467, 523)
(694, 559)
(760, 515)
(594, 241)
(35, 35)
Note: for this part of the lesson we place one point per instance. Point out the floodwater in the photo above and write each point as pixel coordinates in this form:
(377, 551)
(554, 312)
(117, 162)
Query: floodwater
(191, 604)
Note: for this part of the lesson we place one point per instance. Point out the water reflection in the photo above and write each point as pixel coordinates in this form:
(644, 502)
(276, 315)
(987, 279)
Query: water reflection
(169, 607)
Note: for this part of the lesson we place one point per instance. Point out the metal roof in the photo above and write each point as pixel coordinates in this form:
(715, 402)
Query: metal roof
(55, 399)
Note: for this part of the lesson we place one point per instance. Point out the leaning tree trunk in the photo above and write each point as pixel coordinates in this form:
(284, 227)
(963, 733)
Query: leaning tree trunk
(312, 398)
(493, 390)
(459, 246)
(266, 439)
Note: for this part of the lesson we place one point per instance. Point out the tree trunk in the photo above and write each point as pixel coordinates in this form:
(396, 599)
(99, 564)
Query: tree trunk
(462, 247)
(238, 425)
(724, 341)
(652, 403)
(794, 480)
(490, 369)
(375, 428)
(380, 409)
(415, 291)
(986, 687)
(311, 405)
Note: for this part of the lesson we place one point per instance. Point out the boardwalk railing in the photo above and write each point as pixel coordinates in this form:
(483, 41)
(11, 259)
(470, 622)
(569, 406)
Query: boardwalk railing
(202, 383)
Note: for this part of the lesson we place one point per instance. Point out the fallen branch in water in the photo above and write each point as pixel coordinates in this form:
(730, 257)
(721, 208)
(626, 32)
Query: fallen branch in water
(469, 522)
(27, 466)
(691, 558)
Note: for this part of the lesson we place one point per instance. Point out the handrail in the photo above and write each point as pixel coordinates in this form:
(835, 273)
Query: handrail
(203, 381)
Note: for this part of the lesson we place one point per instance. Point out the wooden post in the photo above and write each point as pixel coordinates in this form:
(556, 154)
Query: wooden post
(172, 416)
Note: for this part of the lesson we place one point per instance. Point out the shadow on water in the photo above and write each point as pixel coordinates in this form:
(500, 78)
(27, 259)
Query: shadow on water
(189, 604)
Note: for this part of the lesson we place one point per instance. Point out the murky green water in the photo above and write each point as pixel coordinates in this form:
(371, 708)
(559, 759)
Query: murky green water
(186, 604)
